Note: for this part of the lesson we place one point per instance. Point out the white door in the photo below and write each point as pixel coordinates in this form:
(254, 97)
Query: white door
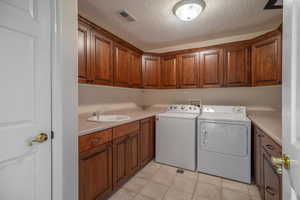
(291, 98)
(25, 100)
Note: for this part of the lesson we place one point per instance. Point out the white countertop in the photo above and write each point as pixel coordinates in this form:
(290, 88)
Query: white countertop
(268, 121)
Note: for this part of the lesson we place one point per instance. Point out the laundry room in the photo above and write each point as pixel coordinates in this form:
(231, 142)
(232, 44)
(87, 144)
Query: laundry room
(179, 100)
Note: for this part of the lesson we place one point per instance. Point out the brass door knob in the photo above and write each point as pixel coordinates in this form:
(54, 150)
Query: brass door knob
(283, 161)
(40, 138)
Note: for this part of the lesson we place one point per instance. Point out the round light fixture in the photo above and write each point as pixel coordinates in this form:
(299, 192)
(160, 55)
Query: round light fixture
(187, 10)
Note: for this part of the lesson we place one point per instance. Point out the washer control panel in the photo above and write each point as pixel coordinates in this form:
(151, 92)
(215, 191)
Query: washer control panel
(182, 108)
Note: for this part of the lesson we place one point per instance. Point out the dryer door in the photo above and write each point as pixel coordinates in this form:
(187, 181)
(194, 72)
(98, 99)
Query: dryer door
(224, 138)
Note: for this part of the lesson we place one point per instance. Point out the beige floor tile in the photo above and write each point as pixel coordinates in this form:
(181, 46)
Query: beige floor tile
(153, 164)
(123, 194)
(174, 194)
(234, 195)
(233, 185)
(136, 184)
(184, 184)
(255, 198)
(253, 191)
(164, 177)
(200, 198)
(154, 190)
(205, 178)
(188, 174)
(167, 168)
(208, 191)
(147, 172)
(141, 197)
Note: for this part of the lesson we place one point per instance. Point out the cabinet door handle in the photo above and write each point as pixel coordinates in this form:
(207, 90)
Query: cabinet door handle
(261, 135)
(95, 140)
(270, 190)
(92, 155)
(270, 147)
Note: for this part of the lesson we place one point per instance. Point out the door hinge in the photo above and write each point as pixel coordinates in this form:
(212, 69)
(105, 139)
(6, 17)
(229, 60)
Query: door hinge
(52, 134)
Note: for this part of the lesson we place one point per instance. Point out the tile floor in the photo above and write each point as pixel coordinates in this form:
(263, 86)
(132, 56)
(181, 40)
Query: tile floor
(161, 182)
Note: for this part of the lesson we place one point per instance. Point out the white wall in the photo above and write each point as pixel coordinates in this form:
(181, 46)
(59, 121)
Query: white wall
(65, 102)
(255, 98)
(93, 98)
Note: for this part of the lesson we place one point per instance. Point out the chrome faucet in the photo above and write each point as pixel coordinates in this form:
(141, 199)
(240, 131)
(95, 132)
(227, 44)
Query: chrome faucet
(97, 114)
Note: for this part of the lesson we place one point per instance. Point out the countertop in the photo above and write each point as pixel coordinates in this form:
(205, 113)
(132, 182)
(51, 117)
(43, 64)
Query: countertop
(268, 121)
(87, 127)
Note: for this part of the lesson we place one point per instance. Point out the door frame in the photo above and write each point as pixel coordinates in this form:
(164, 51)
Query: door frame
(64, 100)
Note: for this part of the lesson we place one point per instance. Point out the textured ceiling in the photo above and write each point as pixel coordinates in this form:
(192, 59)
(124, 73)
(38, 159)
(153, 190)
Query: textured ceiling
(157, 27)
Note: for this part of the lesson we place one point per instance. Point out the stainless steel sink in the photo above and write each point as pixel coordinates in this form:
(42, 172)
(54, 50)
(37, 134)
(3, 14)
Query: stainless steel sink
(109, 118)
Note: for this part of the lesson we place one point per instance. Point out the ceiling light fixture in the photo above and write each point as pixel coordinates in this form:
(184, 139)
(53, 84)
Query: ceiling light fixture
(187, 10)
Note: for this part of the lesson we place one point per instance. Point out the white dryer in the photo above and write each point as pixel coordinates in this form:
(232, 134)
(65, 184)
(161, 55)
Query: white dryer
(176, 132)
(224, 142)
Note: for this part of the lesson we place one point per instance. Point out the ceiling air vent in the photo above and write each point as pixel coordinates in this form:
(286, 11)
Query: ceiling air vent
(274, 4)
(125, 15)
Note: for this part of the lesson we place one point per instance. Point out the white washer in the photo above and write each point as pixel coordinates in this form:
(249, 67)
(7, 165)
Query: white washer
(224, 142)
(176, 132)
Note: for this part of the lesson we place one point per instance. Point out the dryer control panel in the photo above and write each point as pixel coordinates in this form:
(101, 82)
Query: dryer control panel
(183, 108)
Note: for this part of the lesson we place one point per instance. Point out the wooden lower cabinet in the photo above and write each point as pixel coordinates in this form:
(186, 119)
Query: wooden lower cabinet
(258, 159)
(272, 181)
(133, 146)
(267, 180)
(95, 173)
(103, 168)
(120, 161)
(147, 140)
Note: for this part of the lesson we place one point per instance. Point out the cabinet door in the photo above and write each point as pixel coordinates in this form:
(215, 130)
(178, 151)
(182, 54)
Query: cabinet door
(211, 68)
(258, 160)
(95, 172)
(147, 140)
(237, 66)
(133, 152)
(121, 66)
(83, 53)
(169, 72)
(272, 181)
(266, 62)
(135, 70)
(188, 70)
(101, 59)
(120, 161)
(151, 72)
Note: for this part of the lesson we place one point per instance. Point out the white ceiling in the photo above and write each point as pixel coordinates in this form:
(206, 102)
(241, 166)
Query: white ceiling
(157, 27)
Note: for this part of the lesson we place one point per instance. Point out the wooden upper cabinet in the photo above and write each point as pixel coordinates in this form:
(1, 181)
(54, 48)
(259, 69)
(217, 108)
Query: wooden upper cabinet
(237, 66)
(169, 72)
(151, 72)
(121, 65)
(266, 62)
(211, 68)
(83, 53)
(95, 173)
(101, 59)
(188, 70)
(135, 70)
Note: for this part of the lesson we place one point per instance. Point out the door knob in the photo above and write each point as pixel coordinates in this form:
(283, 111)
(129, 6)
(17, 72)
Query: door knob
(40, 138)
(284, 161)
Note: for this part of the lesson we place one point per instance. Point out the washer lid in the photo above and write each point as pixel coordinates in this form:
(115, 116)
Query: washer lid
(178, 115)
